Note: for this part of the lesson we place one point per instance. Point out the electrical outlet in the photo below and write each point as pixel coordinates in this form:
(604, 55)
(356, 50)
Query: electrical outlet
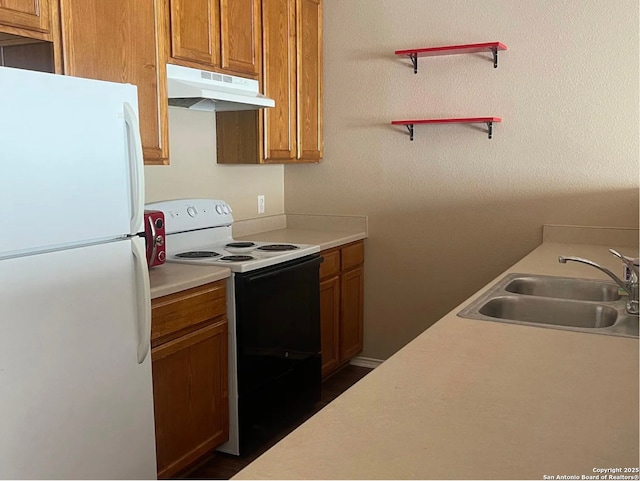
(261, 204)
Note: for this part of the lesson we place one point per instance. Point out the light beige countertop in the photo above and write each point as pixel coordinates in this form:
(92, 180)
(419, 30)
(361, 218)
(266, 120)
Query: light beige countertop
(327, 231)
(472, 399)
(325, 239)
(170, 278)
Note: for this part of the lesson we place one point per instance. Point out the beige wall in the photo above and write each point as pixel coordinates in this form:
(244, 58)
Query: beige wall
(194, 172)
(452, 209)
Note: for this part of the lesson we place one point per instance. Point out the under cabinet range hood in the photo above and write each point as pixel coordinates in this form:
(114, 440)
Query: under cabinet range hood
(202, 90)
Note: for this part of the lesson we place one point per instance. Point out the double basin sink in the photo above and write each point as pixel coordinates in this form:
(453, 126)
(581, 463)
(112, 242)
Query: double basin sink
(567, 303)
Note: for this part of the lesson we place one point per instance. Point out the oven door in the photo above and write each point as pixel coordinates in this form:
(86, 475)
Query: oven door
(278, 338)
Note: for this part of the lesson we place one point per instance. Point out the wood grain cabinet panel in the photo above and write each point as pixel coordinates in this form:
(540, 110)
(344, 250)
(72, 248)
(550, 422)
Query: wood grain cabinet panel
(176, 313)
(28, 14)
(290, 132)
(279, 80)
(292, 75)
(215, 35)
(240, 35)
(195, 35)
(341, 305)
(330, 264)
(191, 400)
(351, 307)
(309, 79)
(116, 40)
(330, 323)
(190, 375)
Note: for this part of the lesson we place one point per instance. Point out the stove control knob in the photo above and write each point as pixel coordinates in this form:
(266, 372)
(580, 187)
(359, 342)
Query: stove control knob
(191, 210)
(226, 209)
(219, 209)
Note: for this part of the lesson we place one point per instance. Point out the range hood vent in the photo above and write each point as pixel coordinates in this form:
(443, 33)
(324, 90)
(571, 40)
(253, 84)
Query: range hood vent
(202, 90)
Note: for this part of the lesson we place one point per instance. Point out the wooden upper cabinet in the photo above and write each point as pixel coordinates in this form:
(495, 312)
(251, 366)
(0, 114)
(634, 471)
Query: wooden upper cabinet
(194, 33)
(240, 35)
(116, 41)
(292, 75)
(28, 14)
(309, 79)
(217, 35)
(279, 79)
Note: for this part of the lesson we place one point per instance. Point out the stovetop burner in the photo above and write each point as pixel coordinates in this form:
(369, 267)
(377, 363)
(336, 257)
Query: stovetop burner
(277, 247)
(197, 254)
(237, 258)
(240, 245)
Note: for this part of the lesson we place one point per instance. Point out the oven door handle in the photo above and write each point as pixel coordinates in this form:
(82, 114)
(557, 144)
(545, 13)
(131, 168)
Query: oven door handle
(283, 270)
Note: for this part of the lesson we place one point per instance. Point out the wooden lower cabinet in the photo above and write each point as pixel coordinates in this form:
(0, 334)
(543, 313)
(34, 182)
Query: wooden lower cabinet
(330, 323)
(341, 305)
(190, 375)
(351, 321)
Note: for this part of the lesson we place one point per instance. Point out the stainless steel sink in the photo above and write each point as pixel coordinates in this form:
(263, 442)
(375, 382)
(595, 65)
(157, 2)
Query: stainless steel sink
(555, 302)
(550, 311)
(564, 288)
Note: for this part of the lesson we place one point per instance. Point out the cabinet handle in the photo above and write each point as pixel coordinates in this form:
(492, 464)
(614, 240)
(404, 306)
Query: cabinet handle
(135, 169)
(143, 298)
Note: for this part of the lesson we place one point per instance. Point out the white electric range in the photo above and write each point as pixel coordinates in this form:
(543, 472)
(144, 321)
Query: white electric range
(199, 231)
(273, 309)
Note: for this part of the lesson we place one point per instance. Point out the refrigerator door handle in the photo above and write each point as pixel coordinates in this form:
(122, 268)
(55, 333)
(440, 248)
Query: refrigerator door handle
(143, 298)
(136, 163)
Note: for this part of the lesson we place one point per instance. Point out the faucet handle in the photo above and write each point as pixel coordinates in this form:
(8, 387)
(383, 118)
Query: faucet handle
(629, 263)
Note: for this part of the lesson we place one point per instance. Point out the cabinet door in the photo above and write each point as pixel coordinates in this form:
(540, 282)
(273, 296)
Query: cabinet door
(279, 79)
(191, 399)
(351, 313)
(240, 35)
(309, 79)
(30, 14)
(330, 323)
(116, 41)
(194, 31)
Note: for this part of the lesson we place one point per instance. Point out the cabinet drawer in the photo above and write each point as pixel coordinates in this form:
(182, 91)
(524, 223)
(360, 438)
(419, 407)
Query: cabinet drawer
(176, 312)
(352, 255)
(331, 264)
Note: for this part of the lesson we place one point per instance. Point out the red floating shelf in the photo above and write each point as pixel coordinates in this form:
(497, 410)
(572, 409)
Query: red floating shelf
(469, 120)
(414, 53)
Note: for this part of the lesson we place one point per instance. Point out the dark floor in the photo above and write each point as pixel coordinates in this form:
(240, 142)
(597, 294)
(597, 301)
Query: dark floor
(224, 466)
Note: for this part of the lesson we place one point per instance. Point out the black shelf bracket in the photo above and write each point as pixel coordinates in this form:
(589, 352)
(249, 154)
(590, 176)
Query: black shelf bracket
(414, 61)
(490, 127)
(494, 51)
(410, 129)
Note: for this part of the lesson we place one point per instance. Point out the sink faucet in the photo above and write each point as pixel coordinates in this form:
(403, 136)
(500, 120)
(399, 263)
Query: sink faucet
(630, 286)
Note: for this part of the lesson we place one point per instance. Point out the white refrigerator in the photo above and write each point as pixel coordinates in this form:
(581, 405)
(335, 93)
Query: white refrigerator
(76, 398)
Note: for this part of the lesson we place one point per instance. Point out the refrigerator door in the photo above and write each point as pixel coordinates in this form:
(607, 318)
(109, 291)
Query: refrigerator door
(75, 402)
(70, 161)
